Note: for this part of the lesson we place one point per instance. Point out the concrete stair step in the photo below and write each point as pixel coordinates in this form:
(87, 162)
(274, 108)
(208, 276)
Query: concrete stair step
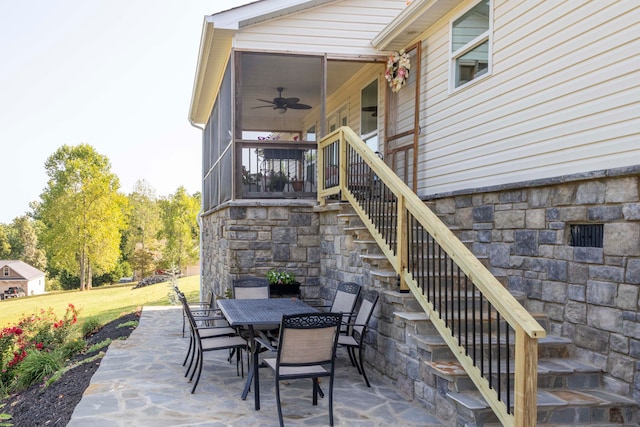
(553, 373)
(559, 407)
(434, 344)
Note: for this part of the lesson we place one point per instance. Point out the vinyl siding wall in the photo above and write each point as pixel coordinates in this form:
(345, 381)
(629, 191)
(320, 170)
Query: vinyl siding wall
(563, 97)
(343, 28)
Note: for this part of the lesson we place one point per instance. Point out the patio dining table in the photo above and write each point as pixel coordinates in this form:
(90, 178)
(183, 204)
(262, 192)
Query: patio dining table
(259, 314)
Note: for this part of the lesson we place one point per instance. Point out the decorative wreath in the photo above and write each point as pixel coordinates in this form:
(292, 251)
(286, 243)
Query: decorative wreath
(397, 71)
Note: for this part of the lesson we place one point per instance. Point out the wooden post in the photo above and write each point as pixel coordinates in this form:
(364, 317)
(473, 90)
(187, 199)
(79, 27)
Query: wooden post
(526, 380)
(401, 240)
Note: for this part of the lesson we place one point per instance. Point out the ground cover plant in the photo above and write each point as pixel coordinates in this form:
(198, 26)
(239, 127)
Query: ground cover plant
(53, 358)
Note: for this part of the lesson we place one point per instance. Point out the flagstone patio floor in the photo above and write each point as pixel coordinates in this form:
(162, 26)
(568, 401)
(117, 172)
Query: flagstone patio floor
(141, 382)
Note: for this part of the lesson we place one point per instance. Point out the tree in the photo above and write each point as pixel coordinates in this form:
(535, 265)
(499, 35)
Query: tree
(181, 231)
(24, 242)
(82, 212)
(5, 246)
(144, 226)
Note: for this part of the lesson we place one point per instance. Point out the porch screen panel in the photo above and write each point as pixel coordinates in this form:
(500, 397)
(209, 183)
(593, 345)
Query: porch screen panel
(226, 170)
(226, 105)
(402, 104)
(400, 158)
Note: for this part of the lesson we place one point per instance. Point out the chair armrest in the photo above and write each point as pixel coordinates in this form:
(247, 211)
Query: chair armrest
(206, 310)
(266, 343)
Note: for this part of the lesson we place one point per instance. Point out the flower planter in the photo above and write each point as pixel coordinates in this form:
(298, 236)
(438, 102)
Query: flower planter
(279, 291)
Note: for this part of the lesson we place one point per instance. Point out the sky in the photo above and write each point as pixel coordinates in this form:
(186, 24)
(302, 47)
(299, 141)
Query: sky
(115, 74)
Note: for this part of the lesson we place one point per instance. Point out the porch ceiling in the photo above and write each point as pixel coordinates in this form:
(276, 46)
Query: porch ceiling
(299, 76)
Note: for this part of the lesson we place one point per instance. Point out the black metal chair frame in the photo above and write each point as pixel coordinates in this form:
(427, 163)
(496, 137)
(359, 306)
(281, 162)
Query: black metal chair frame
(243, 288)
(344, 290)
(213, 343)
(319, 362)
(357, 330)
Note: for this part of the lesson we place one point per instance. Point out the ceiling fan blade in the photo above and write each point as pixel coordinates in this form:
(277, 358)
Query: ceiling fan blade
(299, 106)
(263, 106)
(290, 101)
(264, 100)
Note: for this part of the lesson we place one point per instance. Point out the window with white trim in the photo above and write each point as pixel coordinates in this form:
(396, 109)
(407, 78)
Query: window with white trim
(471, 44)
(6, 271)
(369, 114)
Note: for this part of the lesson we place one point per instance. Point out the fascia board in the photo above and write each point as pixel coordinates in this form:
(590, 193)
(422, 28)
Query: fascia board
(213, 56)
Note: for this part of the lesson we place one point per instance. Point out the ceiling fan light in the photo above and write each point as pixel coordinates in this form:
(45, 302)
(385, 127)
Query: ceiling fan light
(280, 110)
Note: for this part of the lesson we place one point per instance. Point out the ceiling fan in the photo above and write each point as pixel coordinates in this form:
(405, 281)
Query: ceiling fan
(281, 104)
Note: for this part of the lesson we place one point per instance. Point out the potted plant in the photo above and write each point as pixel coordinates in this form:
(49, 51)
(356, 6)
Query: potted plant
(283, 283)
(277, 180)
(297, 184)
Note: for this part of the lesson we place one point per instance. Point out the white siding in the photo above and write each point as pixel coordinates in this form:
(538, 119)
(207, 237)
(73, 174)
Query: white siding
(342, 28)
(563, 97)
(349, 94)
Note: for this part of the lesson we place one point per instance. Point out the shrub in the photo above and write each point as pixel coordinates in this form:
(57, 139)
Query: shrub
(90, 325)
(38, 365)
(72, 347)
(30, 350)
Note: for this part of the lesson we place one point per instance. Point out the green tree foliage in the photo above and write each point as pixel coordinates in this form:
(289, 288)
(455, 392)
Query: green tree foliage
(5, 246)
(142, 247)
(82, 212)
(181, 231)
(24, 242)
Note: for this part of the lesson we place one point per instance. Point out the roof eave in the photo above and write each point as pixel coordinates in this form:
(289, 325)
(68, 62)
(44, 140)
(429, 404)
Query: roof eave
(411, 22)
(213, 56)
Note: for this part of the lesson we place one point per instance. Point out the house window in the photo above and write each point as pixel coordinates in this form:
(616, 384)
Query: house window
(369, 115)
(471, 44)
(6, 271)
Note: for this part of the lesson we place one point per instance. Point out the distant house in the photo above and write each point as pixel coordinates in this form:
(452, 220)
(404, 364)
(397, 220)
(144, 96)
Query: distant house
(20, 274)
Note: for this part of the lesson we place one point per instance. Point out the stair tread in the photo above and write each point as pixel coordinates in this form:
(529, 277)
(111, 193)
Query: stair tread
(384, 273)
(546, 366)
(411, 315)
(550, 398)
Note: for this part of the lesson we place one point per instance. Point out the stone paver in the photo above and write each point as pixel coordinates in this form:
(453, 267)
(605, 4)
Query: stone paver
(141, 382)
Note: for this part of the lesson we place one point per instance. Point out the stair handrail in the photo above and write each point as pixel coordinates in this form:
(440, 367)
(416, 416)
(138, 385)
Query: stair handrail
(527, 330)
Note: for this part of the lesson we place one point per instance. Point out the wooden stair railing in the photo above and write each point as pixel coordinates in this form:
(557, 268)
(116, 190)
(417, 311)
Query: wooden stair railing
(452, 286)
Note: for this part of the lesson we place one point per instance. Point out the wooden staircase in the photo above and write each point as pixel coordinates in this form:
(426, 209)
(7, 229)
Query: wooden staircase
(570, 392)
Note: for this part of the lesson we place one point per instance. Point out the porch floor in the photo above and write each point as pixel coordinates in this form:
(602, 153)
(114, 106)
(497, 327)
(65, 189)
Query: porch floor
(141, 382)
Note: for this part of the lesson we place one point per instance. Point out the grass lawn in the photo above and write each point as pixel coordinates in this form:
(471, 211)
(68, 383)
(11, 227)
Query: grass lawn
(105, 303)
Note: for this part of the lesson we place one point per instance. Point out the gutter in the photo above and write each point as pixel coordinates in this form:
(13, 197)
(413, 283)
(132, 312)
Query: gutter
(199, 219)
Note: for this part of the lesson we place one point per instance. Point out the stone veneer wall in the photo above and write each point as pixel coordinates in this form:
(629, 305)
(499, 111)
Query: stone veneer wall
(249, 237)
(590, 294)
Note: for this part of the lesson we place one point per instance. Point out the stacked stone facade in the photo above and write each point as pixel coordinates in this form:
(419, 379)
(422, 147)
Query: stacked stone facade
(590, 294)
(248, 238)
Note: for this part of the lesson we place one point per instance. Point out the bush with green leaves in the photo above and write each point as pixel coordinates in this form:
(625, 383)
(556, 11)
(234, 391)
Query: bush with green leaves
(36, 346)
(90, 325)
(38, 365)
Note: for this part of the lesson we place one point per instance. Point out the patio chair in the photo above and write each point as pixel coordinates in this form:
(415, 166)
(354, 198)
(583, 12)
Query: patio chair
(214, 343)
(250, 288)
(204, 325)
(356, 334)
(306, 349)
(344, 301)
(201, 308)
(253, 288)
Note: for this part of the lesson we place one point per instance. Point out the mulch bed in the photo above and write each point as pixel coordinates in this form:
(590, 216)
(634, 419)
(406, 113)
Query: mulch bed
(53, 405)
